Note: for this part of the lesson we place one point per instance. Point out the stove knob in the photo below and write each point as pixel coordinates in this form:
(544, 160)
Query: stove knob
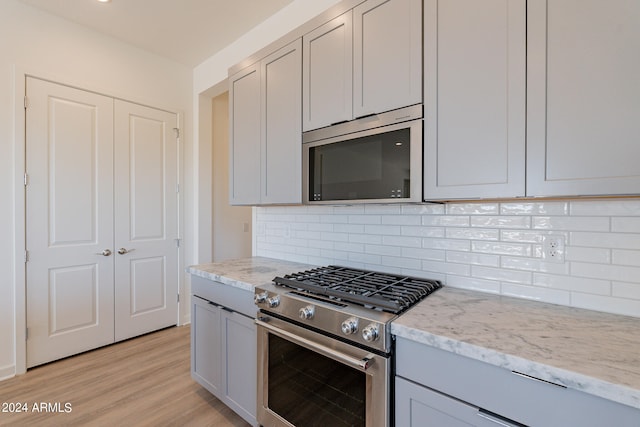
(274, 301)
(370, 333)
(307, 312)
(260, 298)
(350, 326)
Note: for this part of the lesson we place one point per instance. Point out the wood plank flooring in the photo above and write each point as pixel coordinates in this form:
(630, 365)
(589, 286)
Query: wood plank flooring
(144, 381)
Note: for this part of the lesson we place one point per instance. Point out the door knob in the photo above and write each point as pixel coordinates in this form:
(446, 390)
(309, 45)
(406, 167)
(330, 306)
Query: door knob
(123, 251)
(106, 252)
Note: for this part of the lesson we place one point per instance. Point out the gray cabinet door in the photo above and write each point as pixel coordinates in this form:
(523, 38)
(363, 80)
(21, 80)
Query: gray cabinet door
(583, 97)
(281, 146)
(387, 50)
(244, 136)
(474, 98)
(327, 73)
(205, 345)
(240, 360)
(418, 406)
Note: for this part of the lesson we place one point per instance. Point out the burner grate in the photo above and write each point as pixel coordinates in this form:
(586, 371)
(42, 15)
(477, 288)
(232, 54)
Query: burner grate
(368, 288)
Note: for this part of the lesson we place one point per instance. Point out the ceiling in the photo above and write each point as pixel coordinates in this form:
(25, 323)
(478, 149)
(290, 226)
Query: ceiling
(186, 31)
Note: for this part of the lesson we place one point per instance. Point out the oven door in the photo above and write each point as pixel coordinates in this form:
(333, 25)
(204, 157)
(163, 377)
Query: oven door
(308, 379)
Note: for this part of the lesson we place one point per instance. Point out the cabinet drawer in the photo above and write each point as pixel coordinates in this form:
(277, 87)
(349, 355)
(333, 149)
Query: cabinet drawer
(236, 299)
(523, 399)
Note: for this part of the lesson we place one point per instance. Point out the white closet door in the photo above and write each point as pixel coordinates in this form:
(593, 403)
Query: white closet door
(69, 205)
(146, 220)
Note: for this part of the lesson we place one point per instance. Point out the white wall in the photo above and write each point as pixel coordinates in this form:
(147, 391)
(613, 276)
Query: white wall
(40, 44)
(488, 247)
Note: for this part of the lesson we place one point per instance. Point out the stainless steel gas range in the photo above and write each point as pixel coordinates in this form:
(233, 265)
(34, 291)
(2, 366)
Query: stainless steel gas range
(325, 348)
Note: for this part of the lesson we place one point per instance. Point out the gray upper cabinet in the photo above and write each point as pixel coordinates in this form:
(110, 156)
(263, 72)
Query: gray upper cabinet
(244, 136)
(327, 73)
(583, 100)
(282, 125)
(387, 63)
(474, 77)
(266, 135)
(367, 60)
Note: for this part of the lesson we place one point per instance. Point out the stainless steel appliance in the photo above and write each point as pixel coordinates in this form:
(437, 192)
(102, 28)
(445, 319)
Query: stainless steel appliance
(376, 158)
(325, 348)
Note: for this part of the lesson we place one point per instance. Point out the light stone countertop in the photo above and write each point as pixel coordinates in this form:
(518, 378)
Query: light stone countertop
(246, 273)
(593, 352)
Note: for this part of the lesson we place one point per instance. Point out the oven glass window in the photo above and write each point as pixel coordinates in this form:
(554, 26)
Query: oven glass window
(308, 389)
(370, 167)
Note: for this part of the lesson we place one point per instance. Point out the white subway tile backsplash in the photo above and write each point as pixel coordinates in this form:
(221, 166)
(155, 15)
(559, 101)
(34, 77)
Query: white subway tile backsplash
(568, 283)
(498, 248)
(535, 208)
(473, 259)
(501, 274)
(501, 221)
(445, 221)
(424, 254)
(383, 250)
(626, 290)
(606, 240)
(489, 247)
(626, 257)
(400, 262)
(472, 233)
(625, 225)
(490, 286)
(533, 264)
(571, 223)
(622, 207)
(446, 244)
(624, 306)
(606, 272)
(401, 220)
(595, 255)
(473, 209)
(404, 241)
(536, 293)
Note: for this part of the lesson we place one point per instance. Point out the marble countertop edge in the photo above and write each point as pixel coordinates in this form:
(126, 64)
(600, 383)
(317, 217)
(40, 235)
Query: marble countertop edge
(570, 379)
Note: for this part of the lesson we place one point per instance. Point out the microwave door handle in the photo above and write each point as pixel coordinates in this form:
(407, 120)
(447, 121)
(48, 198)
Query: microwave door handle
(361, 364)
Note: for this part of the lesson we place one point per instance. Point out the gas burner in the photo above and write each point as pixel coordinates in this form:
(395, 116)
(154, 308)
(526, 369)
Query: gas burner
(379, 291)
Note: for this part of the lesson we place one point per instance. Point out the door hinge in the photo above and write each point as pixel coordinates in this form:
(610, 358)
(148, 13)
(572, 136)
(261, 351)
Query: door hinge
(177, 242)
(26, 256)
(178, 297)
(26, 334)
(177, 188)
(26, 102)
(177, 131)
(26, 179)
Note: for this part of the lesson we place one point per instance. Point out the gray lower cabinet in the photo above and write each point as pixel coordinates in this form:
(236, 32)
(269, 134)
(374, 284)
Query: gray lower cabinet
(223, 351)
(435, 387)
(418, 406)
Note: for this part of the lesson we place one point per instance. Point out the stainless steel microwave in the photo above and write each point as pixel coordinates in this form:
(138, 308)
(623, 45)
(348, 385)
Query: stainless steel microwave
(374, 159)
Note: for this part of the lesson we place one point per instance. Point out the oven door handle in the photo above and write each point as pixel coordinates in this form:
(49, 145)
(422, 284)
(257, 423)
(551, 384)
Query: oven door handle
(362, 364)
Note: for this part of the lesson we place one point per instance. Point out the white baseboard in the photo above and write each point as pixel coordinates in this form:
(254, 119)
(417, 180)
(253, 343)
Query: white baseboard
(7, 372)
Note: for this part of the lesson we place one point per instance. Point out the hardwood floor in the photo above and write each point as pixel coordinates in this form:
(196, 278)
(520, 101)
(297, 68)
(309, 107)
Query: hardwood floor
(144, 381)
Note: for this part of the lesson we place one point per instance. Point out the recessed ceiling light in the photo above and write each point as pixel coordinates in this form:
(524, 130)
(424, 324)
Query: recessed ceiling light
(104, 1)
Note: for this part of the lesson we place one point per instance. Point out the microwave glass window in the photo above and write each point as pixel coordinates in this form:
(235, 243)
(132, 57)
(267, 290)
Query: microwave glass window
(309, 389)
(370, 167)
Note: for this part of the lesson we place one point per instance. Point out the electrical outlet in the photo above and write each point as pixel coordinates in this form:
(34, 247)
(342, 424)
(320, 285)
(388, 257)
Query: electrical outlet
(553, 248)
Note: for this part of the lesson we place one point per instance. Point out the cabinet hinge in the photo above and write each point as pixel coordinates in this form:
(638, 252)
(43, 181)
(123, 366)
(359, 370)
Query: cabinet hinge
(26, 102)
(177, 131)
(26, 256)
(26, 179)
